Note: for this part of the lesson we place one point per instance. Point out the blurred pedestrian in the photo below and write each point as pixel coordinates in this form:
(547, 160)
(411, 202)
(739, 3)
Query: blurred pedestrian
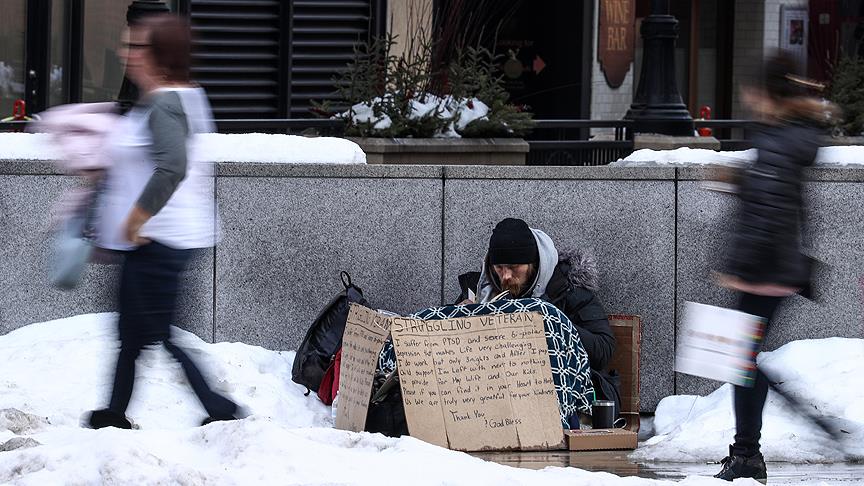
(157, 207)
(766, 264)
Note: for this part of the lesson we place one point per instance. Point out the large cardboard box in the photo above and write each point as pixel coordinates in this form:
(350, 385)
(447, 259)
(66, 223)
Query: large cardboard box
(627, 330)
(479, 383)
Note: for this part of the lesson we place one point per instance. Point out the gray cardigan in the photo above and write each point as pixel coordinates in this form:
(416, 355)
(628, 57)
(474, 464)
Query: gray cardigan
(170, 131)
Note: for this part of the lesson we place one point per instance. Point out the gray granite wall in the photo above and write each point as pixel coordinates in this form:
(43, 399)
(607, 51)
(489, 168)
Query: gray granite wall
(406, 232)
(27, 201)
(835, 223)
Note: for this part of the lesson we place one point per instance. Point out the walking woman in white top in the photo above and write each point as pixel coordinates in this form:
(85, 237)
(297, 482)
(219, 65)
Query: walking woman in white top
(157, 207)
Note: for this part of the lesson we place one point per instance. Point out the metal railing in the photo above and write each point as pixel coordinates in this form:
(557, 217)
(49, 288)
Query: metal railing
(568, 142)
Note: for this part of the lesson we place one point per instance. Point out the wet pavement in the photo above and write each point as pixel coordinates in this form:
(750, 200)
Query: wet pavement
(617, 462)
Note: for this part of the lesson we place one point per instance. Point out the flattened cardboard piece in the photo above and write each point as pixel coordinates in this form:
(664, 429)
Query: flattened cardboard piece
(415, 357)
(627, 330)
(601, 439)
(478, 383)
(365, 332)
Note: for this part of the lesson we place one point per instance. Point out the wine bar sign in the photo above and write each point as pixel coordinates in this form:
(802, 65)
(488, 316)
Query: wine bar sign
(616, 39)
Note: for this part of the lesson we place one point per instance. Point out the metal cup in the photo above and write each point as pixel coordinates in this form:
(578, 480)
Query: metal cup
(602, 414)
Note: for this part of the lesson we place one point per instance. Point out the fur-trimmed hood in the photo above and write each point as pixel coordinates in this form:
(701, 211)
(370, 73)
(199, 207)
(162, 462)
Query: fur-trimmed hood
(582, 270)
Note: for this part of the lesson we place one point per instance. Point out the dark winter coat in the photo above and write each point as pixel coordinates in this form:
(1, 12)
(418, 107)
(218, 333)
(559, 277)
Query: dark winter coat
(766, 246)
(571, 289)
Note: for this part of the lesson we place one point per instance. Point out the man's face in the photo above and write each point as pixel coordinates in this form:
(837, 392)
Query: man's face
(514, 278)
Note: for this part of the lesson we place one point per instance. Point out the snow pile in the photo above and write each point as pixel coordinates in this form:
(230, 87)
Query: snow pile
(685, 156)
(284, 149)
(216, 147)
(841, 155)
(53, 372)
(826, 373)
(463, 111)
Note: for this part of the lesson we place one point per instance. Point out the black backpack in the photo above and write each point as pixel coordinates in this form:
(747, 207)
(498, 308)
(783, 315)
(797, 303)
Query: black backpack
(386, 413)
(324, 337)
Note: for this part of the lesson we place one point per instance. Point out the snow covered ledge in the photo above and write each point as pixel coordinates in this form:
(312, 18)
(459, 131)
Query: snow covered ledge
(218, 147)
(828, 156)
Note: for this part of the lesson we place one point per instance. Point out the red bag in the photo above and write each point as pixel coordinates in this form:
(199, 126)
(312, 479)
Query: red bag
(330, 382)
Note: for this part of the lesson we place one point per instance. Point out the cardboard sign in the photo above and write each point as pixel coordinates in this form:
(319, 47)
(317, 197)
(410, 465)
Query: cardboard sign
(719, 344)
(478, 383)
(365, 332)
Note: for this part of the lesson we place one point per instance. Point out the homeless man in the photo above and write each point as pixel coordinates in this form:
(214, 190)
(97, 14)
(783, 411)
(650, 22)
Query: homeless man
(524, 262)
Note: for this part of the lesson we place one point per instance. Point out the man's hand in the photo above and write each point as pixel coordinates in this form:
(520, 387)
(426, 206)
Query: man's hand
(466, 302)
(136, 219)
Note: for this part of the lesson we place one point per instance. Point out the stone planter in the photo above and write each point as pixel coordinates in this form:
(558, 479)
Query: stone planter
(444, 151)
(844, 141)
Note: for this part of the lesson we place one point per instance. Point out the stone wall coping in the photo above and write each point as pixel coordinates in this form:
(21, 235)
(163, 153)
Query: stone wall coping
(360, 171)
(815, 174)
(446, 145)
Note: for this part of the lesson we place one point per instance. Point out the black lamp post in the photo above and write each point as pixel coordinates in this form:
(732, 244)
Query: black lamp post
(657, 107)
(137, 10)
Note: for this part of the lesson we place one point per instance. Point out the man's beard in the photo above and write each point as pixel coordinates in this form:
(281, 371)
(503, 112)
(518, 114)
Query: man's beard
(516, 290)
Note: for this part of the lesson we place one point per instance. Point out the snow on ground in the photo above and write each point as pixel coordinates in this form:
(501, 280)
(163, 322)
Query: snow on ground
(216, 147)
(53, 372)
(827, 373)
(684, 156)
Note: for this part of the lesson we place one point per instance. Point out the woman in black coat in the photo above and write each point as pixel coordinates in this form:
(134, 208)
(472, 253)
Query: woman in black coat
(766, 264)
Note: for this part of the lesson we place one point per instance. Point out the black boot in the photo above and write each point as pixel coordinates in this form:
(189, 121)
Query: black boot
(743, 467)
(107, 418)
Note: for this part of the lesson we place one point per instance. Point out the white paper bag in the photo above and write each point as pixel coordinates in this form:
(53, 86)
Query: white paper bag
(719, 344)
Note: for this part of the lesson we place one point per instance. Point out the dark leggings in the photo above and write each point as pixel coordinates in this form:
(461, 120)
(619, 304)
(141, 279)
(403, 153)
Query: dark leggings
(749, 402)
(149, 288)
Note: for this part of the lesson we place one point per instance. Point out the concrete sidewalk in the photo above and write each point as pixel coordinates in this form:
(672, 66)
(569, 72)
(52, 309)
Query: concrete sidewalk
(617, 462)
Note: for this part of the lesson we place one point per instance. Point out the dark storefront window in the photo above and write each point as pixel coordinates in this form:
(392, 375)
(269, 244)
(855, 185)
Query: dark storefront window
(542, 52)
(12, 67)
(65, 51)
(706, 75)
(852, 28)
(58, 87)
(541, 47)
(104, 21)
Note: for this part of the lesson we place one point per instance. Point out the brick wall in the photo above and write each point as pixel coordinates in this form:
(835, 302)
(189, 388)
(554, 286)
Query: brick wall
(607, 103)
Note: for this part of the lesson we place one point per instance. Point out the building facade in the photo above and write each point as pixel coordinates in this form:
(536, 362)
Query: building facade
(270, 58)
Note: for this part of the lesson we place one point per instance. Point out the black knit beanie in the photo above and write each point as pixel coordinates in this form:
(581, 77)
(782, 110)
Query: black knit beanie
(512, 243)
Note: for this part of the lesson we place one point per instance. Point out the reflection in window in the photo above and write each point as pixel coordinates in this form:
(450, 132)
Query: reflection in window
(104, 21)
(59, 62)
(12, 24)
